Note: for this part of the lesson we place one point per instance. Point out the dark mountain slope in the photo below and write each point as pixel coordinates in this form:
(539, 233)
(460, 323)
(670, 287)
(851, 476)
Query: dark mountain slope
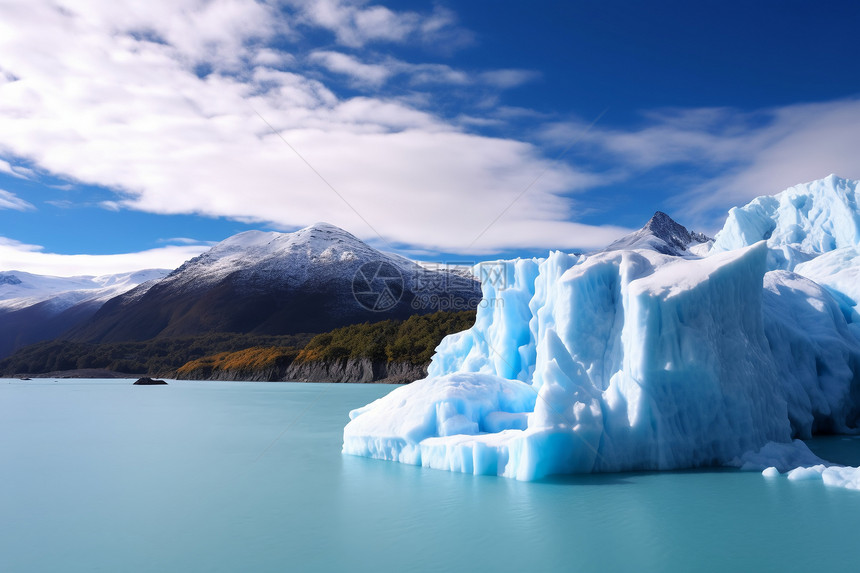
(312, 280)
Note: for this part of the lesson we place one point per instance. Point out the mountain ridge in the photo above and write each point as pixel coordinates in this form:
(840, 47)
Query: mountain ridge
(278, 283)
(34, 307)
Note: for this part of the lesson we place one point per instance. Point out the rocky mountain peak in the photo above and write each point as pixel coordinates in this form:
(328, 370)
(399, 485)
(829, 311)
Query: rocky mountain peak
(662, 234)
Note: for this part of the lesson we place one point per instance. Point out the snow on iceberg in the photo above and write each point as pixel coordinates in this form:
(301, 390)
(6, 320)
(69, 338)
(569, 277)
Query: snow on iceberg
(812, 229)
(839, 272)
(798, 224)
(834, 476)
(398, 426)
(623, 360)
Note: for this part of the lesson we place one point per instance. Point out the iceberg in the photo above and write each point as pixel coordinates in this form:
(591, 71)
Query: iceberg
(834, 476)
(637, 359)
(775, 457)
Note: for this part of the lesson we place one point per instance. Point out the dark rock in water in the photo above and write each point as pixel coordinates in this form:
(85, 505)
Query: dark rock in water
(149, 382)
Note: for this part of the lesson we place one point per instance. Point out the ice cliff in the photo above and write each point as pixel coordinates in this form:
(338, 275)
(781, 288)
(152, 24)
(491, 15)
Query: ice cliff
(637, 359)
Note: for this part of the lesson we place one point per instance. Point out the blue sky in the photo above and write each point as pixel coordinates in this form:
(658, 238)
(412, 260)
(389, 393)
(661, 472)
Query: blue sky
(446, 131)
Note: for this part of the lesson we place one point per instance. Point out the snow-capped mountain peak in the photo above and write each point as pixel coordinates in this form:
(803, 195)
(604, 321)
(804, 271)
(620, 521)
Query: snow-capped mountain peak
(20, 289)
(299, 255)
(309, 280)
(662, 234)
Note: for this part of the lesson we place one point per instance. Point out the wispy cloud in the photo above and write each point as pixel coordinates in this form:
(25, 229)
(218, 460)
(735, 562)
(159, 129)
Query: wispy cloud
(9, 200)
(796, 144)
(734, 155)
(19, 256)
(16, 170)
(61, 203)
(186, 241)
(356, 23)
(377, 72)
(511, 78)
(372, 74)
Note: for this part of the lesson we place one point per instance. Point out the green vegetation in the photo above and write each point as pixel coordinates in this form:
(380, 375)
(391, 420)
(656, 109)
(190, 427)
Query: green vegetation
(159, 357)
(411, 341)
(242, 363)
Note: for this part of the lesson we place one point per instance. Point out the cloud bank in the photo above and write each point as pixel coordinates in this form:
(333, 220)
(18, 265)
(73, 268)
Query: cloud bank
(184, 107)
(162, 104)
(33, 259)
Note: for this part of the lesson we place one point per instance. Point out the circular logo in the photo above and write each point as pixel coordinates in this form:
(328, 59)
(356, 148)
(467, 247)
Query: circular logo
(377, 286)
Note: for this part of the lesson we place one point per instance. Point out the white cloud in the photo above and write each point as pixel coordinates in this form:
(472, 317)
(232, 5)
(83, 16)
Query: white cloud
(9, 200)
(424, 74)
(99, 102)
(799, 143)
(736, 155)
(372, 74)
(211, 31)
(273, 58)
(356, 23)
(104, 93)
(32, 259)
(186, 241)
(16, 170)
(375, 74)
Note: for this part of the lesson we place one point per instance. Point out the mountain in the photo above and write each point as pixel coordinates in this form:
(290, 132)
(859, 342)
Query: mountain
(312, 280)
(37, 307)
(664, 235)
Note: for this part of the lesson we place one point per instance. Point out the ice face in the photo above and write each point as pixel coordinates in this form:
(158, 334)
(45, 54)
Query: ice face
(633, 359)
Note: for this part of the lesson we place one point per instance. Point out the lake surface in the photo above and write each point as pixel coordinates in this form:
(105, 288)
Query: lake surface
(100, 475)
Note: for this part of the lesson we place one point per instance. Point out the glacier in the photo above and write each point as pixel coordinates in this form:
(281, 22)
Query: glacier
(647, 358)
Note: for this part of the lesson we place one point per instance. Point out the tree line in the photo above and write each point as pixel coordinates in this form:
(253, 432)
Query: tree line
(412, 340)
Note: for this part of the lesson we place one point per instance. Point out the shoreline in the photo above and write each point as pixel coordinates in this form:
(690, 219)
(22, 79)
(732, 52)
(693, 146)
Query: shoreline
(104, 374)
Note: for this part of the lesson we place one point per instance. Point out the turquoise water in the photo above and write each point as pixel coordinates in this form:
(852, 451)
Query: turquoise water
(219, 476)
